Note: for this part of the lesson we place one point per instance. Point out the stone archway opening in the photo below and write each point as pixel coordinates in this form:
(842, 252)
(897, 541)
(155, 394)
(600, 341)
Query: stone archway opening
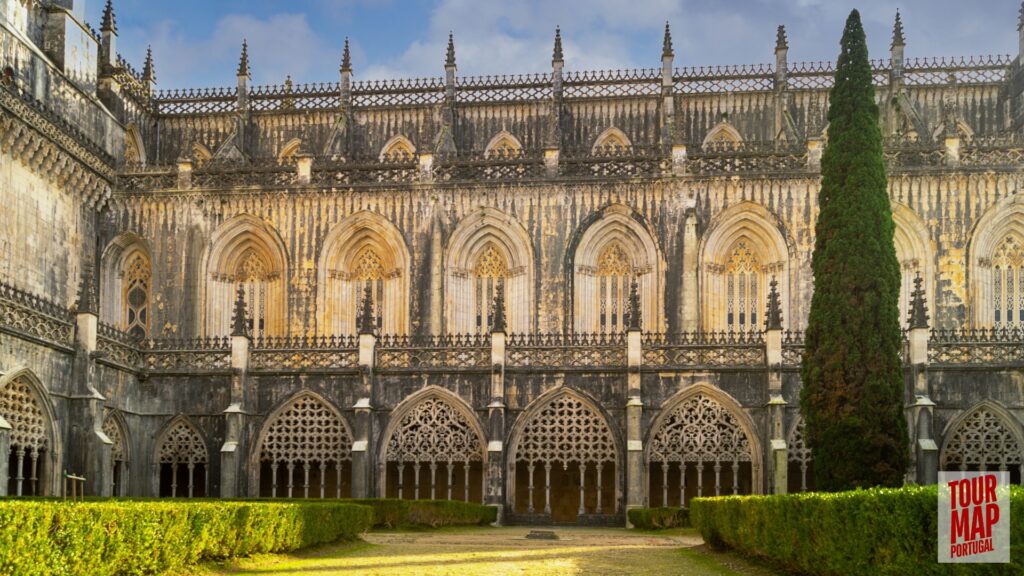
(700, 449)
(566, 466)
(983, 441)
(434, 453)
(182, 459)
(29, 459)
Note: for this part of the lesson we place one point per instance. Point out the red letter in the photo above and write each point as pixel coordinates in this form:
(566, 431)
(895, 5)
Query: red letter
(958, 526)
(990, 487)
(991, 518)
(977, 524)
(952, 493)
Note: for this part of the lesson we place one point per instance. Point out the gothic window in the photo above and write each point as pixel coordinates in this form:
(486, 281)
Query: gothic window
(29, 440)
(743, 288)
(564, 448)
(1008, 283)
(136, 296)
(118, 455)
(369, 271)
(611, 141)
(491, 268)
(183, 458)
(983, 442)
(698, 438)
(614, 270)
(434, 437)
(308, 446)
(800, 459)
(398, 148)
(253, 274)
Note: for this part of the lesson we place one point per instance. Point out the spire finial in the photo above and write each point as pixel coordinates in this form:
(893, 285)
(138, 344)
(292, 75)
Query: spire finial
(346, 58)
(557, 55)
(666, 43)
(240, 318)
(243, 62)
(1020, 18)
(781, 42)
(450, 57)
(773, 315)
(87, 301)
(148, 72)
(897, 31)
(498, 313)
(365, 319)
(918, 308)
(635, 316)
(109, 22)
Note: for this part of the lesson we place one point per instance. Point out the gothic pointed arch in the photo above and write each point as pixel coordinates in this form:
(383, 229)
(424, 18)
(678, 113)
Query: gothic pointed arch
(364, 249)
(702, 443)
(116, 430)
(611, 139)
(610, 250)
(564, 458)
(304, 449)
(289, 151)
(433, 444)
(504, 143)
(34, 452)
(985, 437)
(914, 251)
(488, 247)
(800, 459)
(743, 249)
(246, 250)
(723, 135)
(181, 460)
(134, 147)
(996, 265)
(126, 284)
(397, 147)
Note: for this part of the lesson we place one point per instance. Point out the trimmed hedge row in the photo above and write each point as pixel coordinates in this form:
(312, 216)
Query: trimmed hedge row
(393, 513)
(659, 518)
(110, 537)
(869, 532)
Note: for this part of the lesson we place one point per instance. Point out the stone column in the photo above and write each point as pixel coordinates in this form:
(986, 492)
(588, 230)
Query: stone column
(690, 296)
(426, 163)
(184, 173)
(304, 168)
(634, 436)
(232, 453)
(5, 449)
(88, 451)
(496, 411)
(361, 467)
(920, 413)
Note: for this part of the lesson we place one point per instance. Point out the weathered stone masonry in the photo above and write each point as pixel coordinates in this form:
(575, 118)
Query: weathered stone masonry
(562, 294)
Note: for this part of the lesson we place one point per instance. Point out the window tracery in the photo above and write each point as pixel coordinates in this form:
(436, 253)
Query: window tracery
(1008, 283)
(28, 436)
(800, 453)
(182, 456)
(491, 268)
(614, 269)
(701, 432)
(369, 270)
(306, 437)
(982, 441)
(118, 453)
(136, 296)
(743, 288)
(434, 434)
(254, 274)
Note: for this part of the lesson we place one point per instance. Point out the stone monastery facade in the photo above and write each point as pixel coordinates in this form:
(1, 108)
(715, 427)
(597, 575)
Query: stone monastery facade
(563, 294)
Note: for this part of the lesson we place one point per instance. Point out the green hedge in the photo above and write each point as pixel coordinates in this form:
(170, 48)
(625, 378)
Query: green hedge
(145, 537)
(394, 513)
(869, 532)
(659, 518)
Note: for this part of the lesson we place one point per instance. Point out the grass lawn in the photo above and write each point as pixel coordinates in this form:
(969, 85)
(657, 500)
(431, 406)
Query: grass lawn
(504, 551)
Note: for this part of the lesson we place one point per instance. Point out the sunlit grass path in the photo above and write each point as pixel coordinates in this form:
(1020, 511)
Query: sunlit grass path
(505, 551)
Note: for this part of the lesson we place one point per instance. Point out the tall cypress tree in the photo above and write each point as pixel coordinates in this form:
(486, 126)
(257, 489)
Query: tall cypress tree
(852, 396)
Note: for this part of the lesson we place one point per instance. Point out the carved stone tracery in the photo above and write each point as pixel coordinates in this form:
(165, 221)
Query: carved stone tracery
(982, 441)
(182, 445)
(566, 430)
(306, 431)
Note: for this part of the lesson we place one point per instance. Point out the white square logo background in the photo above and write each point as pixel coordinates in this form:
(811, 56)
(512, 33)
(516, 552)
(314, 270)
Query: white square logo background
(977, 538)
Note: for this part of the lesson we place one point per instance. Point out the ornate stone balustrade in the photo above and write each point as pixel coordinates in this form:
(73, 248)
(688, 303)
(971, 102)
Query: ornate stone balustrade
(566, 351)
(704, 350)
(117, 348)
(187, 355)
(986, 347)
(458, 351)
(334, 352)
(30, 316)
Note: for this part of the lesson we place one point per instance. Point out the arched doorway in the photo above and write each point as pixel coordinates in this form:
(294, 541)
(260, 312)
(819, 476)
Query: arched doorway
(434, 449)
(986, 438)
(113, 427)
(305, 451)
(700, 447)
(564, 464)
(32, 458)
(182, 461)
(800, 472)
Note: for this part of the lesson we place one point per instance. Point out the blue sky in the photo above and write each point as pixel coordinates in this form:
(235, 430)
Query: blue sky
(196, 42)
